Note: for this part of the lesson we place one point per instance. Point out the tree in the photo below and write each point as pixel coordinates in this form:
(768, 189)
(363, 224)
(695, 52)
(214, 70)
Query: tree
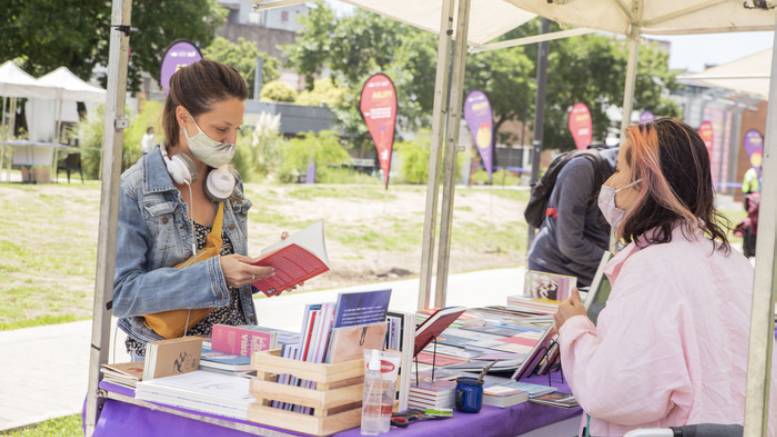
(242, 56)
(324, 93)
(47, 34)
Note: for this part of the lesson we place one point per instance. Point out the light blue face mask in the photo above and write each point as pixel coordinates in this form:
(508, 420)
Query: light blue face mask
(606, 202)
(206, 149)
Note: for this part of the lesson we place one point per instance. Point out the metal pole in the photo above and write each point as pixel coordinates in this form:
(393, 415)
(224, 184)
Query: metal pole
(539, 114)
(759, 361)
(258, 78)
(451, 149)
(113, 142)
(631, 79)
(440, 111)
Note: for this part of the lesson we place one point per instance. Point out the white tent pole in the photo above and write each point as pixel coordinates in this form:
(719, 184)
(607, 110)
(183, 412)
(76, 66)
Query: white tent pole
(113, 142)
(532, 39)
(439, 111)
(451, 149)
(762, 318)
(631, 79)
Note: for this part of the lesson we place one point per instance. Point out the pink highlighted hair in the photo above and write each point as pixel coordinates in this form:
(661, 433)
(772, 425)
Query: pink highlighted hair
(672, 163)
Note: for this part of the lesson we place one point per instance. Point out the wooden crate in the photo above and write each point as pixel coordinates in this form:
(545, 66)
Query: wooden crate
(336, 400)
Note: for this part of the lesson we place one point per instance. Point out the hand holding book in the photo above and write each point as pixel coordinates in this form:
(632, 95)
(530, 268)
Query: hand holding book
(240, 270)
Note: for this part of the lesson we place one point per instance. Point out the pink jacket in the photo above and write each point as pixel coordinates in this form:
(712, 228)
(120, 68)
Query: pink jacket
(671, 345)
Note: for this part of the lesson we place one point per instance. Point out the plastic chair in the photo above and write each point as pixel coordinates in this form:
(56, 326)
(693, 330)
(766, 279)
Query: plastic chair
(701, 430)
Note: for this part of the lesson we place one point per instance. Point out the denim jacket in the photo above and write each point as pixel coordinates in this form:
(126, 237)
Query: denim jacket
(155, 234)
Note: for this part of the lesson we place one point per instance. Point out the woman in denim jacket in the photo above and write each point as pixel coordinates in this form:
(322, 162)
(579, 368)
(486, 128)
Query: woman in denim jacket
(162, 218)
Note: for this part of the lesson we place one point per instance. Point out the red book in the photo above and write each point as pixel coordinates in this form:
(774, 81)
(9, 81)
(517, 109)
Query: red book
(241, 340)
(296, 259)
(435, 325)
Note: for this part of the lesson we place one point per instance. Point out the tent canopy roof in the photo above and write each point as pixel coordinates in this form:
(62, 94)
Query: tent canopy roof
(73, 88)
(661, 17)
(749, 75)
(15, 82)
(488, 18)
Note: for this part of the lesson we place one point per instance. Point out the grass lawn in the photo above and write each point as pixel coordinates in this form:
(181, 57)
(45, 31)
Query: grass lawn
(68, 426)
(48, 238)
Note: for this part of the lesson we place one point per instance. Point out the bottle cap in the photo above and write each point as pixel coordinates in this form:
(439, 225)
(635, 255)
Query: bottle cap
(374, 360)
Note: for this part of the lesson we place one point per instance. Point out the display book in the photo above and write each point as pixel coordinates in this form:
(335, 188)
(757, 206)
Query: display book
(543, 292)
(336, 333)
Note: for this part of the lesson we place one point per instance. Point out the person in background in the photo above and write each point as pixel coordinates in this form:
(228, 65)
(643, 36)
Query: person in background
(148, 141)
(574, 235)
(748, 228)
(670, 348)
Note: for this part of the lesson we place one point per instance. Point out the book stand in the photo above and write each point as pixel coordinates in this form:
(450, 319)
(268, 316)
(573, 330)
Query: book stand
(434, 361)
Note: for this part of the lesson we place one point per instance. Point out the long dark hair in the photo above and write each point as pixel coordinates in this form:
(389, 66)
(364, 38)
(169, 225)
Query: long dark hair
(196, 87)
(673, 166)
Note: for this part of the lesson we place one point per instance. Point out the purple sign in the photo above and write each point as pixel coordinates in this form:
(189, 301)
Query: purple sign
(754, 146)
(477, 114)
(310, 177)
(646, 117)
(178, 54)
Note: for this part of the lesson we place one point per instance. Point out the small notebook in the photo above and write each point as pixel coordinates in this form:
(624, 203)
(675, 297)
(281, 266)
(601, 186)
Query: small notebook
(348, 343)
(172, 357)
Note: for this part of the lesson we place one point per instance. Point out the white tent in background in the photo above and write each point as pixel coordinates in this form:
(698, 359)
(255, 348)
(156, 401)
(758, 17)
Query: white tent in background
(72, 87)
(747, 75)
(15, 82)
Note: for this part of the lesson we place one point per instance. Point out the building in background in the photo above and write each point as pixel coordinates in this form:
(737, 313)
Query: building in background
(732, 97)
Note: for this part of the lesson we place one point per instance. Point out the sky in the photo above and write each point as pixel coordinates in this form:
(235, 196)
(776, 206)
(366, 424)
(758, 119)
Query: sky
(688, 52)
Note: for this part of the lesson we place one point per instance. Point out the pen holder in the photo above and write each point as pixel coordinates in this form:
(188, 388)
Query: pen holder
(469, 395)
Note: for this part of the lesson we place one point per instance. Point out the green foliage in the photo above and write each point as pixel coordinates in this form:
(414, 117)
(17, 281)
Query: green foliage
(47, 34)
(258, 150)
(500, 177)
(324, 93)
(415, 162)
(68, 426)
(322, 148)
(149, 116)
(242, 56)
(277, 91)
(90, 134)
(311, 47)
(592, 69)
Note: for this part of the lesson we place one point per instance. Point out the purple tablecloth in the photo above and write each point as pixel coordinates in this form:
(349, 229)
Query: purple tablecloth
(123, 419)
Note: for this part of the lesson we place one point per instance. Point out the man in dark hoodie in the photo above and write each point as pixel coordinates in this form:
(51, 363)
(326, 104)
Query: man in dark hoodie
(574, 235)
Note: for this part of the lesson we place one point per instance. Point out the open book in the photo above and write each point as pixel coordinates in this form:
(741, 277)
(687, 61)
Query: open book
(296, 259)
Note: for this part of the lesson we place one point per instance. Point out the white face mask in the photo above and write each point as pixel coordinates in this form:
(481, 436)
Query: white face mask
(206, 149)
(606, 202)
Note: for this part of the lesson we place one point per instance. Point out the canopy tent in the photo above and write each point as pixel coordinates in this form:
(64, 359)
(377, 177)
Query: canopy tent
(71, 87)
(629, 17)
(490, 19)
(15, 82)
(747, 75)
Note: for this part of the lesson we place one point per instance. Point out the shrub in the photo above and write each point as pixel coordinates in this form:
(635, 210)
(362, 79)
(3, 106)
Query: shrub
(90, 134)
(149, 116)
(322, 148)
(278, 91)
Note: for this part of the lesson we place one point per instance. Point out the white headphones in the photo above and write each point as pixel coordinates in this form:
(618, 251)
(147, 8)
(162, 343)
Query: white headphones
(218, 186)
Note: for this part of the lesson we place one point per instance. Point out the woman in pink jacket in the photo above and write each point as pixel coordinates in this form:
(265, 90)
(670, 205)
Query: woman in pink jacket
(670, 348)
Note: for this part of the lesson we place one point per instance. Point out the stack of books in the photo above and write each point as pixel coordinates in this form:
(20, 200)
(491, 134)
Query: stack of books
(125, 374)
(438, 394)
(202, 391)
(503, 396)
(535, 305)
(558, 400)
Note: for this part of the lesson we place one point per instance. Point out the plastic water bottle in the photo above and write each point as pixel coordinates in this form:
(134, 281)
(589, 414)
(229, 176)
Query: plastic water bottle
(372, 419)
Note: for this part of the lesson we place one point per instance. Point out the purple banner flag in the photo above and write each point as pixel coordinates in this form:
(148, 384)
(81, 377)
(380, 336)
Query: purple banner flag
(754, 146)
(646, 117)
(178, 54)
(479, 118)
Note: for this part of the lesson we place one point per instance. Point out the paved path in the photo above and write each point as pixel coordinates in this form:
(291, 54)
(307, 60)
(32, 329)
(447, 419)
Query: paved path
(43, 373)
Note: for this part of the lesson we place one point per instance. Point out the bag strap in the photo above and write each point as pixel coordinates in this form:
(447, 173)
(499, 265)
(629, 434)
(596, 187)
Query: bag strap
(214, 237)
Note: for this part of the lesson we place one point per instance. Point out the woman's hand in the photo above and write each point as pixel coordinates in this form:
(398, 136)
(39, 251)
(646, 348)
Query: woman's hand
(239, 270)
(570, 308)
